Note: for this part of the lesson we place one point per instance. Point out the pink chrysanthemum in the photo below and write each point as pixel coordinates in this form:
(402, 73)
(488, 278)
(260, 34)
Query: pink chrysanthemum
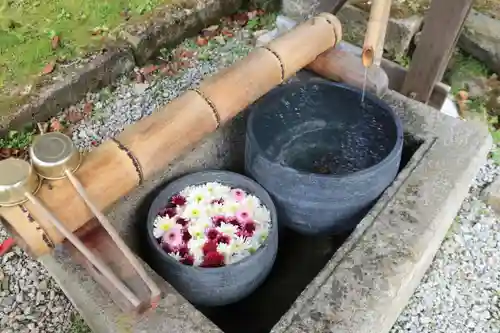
(173, 237)
(243, 216)
(238, 194)
(178, 200)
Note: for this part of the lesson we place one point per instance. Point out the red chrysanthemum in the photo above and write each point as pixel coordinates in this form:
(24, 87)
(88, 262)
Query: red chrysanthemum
(182, 221)
(167, 211)
(213, 259)
(225, 239)
(233, 220)
(178, 200)
(219, 201)
(186, 236)
(210, 246)
(212, 234)
(249, 227)
(183, 251)
(217, 220)
(188, 260)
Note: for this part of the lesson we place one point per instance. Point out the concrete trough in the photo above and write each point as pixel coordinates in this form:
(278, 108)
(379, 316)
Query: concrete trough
(358, 283)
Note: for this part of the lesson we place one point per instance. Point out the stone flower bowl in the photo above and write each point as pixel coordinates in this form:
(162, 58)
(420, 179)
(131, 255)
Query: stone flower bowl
(221, 285)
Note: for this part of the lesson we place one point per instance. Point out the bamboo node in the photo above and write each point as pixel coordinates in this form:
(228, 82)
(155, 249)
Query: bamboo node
(135, 161)
(279, 60)
(211, 104)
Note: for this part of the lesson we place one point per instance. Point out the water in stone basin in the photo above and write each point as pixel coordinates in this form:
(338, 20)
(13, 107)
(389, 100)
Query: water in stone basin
(310, 148)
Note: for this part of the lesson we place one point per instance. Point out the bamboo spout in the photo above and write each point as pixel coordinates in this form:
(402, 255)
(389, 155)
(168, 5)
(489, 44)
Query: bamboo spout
(118, 166)
(376, 29)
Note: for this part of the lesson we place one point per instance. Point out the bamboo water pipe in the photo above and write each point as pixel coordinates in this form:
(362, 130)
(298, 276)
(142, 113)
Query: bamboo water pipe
(373, 46)
(119, 165)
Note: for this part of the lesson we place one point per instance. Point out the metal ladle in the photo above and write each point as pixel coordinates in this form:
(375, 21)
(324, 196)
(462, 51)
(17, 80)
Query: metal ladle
(54, 156)
(19, 184)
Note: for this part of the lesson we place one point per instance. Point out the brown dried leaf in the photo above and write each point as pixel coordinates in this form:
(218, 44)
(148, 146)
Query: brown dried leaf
(55, 125)
(139, 77)
(149, 69)
(55, 42)
(87, 108)
(49, 68)
(200, 41)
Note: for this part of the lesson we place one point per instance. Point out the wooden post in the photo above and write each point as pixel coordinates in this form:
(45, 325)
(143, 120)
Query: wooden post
(442, 26)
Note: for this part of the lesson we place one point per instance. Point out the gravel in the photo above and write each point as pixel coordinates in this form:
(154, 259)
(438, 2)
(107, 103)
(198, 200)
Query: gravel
(460, 292)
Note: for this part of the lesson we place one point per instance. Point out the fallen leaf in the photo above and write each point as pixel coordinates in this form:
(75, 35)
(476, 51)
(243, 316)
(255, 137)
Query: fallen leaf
(185, 64)
(149, 69)
(200, 41)
(49, 68)
(226, 32)
(186, 54)
(55, 42)
(87, 108)
(55, 125)
(260, 12)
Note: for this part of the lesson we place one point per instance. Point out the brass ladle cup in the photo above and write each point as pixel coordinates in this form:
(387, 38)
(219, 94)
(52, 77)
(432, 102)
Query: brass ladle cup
(18, 184)
(54, 156)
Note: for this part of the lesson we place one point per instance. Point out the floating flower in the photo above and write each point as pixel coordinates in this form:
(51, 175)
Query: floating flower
(212, 225)
(173, 236)
(238, 194)
(243, 216)
(162, 225)
(178, 200)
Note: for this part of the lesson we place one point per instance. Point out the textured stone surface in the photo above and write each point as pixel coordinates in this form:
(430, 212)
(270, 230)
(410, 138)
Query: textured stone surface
(400, 32)
(367, 282)
(481, 39)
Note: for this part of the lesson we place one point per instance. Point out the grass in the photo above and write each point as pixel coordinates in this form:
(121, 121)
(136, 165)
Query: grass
(78, 325)
(28, 27)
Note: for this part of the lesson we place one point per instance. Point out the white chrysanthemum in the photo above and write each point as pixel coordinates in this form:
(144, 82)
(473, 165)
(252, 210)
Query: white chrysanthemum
(260, 235)
(239, 245)
(175, 255)
(217, 190)
(194, 211)
(188, 190)
(199, 195)
(215, 209)
(230, 207)
(227, 229)
(197, 232)
(226, 251)
(251, 203)
(162, 225)
(203, 223)
(261, 215)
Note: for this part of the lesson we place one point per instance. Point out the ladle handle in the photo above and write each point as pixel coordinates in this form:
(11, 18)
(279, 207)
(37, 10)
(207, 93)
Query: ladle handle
(93, 259)
(155, 291)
